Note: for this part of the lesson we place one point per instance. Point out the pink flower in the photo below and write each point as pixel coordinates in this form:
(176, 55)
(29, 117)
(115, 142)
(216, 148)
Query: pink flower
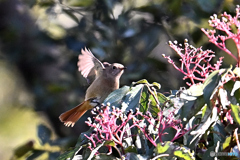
(195, 62)
(230, 29)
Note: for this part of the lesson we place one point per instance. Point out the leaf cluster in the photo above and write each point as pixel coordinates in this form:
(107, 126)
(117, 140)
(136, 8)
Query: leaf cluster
(209, 112)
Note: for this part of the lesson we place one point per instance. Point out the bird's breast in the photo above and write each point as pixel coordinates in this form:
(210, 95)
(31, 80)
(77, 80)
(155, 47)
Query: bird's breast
(101, 88)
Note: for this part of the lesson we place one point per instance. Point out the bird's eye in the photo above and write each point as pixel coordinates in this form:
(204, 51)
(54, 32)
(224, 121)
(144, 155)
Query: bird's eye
(114, 67)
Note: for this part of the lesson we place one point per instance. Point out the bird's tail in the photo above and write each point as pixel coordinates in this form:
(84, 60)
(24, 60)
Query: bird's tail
(72, 116)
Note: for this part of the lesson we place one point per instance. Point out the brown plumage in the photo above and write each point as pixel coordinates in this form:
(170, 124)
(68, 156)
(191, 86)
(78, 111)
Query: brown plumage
(104, 79)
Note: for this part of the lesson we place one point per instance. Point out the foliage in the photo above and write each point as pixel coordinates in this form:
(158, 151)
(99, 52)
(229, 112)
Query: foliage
(187, 124)
(195, 120)
(43, 38)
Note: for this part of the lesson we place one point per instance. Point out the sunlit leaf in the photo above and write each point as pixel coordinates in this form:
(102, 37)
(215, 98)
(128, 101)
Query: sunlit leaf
(157, 85)
(110, 143)
(170, 149)
(236, 87)
(184, 153)
(162, 148)
(143, 81)
(144, 100)
(132, 149)
(237, 71)
(196, 89)
(227, 142)
(235, 113)
(162, 98)
(210, 117)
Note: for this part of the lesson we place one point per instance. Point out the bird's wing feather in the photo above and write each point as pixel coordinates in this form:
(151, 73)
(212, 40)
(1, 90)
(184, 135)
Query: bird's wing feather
(89, 66)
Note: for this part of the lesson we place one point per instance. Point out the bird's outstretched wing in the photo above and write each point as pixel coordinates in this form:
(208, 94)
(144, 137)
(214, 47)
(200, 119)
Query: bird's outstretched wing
(89, 66)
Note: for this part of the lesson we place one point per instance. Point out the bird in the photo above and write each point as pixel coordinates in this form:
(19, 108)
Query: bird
(103, 79)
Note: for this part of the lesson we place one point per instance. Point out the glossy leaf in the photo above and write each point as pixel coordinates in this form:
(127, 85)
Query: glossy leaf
(132, 98)
(191, 107)
(209, 85)
(115, 98)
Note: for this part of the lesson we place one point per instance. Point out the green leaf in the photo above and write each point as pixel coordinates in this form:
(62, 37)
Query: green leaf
(162, 98)
(184, 153)
(236, 91)
(170, 133)
(94, 151)
(82, 139)
(115, 98)
(237, 71)
(160, 149)
(196, 90)
(110, 143)
(191, 107)
(132, 149)
(209, 85)
(143, 81)
(230, 128)
(235, 113)
(69, 154)
(170, 149)
(219, 133)
(212, 83)
(210, 153)
(144, 100)
(210, 117)
(157, 85)
(232, 88)
(132, 98)
(227, 142)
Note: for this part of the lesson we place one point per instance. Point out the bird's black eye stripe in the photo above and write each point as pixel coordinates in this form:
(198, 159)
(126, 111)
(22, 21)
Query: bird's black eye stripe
(114, 67)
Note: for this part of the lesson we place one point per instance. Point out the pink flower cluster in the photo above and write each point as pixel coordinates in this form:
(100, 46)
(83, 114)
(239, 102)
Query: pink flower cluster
(229, 28)
(195, 62)
(111, 124)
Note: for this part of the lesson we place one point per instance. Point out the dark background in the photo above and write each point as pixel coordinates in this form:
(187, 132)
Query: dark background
(40, 41)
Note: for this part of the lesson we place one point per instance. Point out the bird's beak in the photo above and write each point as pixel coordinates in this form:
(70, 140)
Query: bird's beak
(123, 68)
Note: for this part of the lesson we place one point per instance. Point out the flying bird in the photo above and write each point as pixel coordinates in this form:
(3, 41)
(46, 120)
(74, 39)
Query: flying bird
(103, 78)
